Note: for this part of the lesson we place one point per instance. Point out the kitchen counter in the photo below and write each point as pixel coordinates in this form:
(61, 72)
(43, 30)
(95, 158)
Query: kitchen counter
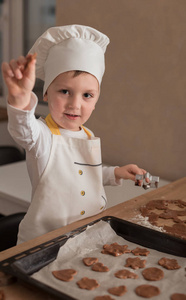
(15, 191)
(126, 210)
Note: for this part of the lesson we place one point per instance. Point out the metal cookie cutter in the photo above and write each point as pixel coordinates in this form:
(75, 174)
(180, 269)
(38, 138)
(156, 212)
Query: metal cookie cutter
(154, 180)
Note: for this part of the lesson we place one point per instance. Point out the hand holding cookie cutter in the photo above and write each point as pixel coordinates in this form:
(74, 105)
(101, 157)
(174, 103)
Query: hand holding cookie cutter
(154, 180)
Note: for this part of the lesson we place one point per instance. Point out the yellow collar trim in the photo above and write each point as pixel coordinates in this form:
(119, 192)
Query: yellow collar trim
(87, 132)
(52, 125)
(55, 129)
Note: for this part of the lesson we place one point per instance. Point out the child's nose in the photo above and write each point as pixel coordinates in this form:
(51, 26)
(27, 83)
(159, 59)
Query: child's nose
(75, 102)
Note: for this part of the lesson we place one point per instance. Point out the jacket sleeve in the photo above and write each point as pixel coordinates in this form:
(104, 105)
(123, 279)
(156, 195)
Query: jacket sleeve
(24, 128)
(109, 177)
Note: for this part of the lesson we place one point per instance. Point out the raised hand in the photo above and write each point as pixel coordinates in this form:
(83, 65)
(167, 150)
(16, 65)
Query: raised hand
(19, 76)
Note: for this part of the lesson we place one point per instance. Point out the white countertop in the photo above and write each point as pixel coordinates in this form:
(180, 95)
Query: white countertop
(15, 188)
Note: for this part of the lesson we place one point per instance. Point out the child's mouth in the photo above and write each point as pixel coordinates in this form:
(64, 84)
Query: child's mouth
(71, 116)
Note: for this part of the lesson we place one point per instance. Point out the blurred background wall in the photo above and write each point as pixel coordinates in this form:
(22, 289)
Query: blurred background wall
(141, 114)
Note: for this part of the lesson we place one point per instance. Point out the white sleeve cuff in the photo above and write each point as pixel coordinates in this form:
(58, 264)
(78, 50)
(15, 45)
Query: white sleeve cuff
(33, 104)
(109, 177)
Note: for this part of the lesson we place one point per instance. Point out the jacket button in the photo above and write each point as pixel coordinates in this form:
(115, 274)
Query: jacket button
(80, 172)
(82, 193)
(82, 212)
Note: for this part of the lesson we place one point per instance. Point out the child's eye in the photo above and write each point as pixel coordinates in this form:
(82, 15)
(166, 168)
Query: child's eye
(65, 92)
(87, 95)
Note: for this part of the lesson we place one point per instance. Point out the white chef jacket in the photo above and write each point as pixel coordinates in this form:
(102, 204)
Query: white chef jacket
(36, 138)
(70, 187)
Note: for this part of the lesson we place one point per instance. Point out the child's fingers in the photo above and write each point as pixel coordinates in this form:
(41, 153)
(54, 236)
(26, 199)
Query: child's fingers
(6, 70)
(29, 69)
(138, 171)
(15, 67)
(133, 170)
(143, 171)
(22, 61)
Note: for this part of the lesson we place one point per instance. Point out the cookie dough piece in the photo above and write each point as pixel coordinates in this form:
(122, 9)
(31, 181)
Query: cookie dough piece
(115, 249)
(118, 291)
(180, 203)
(157, 204)
(170, 264)
(105, 297)
(64, 275)
(172, 214)
(123, 274)
(178, 229)
(147, 291)
(89, 261)
(87, 283)
(135, 263)
(99, 267)
(153, 274)
(140, 251)
(178, 296)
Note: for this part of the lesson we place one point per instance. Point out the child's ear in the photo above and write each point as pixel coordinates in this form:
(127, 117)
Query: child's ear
(45, 98)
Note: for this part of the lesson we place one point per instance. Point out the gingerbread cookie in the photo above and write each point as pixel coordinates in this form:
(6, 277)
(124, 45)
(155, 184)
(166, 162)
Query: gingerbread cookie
(87, 283)
(99, 267)
(135, 263)
(170, 264)
(89, 261)
(178, 296)
(153, 274)
(30, 58)
(115, 249)
(118, 291)
(105, 297)
(123, 274)
(147, 291)
(140, 251)
(64, 275)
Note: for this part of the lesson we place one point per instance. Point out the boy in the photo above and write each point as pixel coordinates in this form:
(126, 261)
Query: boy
(63, 157)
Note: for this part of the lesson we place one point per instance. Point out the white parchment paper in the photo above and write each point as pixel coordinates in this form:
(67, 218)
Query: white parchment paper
(90, 243)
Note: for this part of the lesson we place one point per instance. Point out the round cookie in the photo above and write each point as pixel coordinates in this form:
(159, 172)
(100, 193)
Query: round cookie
(147, 291)
(153, 274)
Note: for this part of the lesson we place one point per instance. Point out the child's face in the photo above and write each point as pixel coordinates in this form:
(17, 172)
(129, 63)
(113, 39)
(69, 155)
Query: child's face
(71, 99)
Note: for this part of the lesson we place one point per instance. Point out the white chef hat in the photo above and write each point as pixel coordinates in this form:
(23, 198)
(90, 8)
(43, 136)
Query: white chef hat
(66, 48)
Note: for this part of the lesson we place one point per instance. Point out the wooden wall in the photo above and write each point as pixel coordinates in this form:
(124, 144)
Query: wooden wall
(141, 113)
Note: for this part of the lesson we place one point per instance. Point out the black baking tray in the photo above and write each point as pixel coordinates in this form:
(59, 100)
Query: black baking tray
(23, 265)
